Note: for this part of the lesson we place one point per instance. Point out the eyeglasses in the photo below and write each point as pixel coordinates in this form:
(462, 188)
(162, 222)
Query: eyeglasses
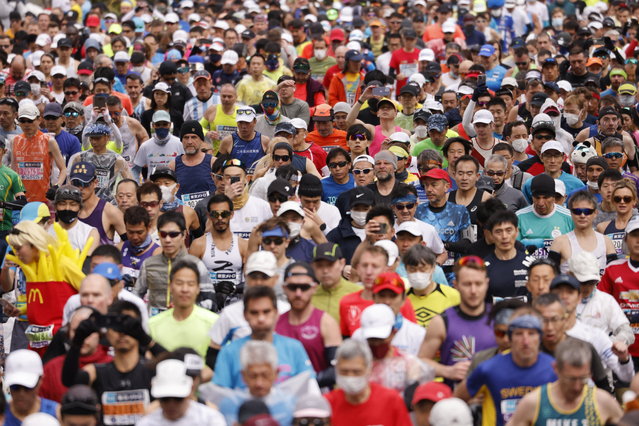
(552, 320)
(295, 287)
(170, 234)
(358, 137)
(278, 241)
(277, 198)
(71, 114)
(543, 137)
(613, 155)
(149, 204)
(407, 206)
(25, 121)
(580, 212)
(284, 158)
(5, 46)
(495, 173)
(80, 184)
(618, 199)
(223, 214)
(360, 171)
(337, 164)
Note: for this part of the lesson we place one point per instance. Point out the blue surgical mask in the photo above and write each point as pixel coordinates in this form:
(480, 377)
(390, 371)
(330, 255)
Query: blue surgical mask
(162, 132)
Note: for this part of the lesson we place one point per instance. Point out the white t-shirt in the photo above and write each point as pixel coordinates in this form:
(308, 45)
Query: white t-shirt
(259, 188)
(231, 324)
(78, 234)
(330, 215)
(196, 414)
(430, 236)
(152, 155)
(254, 212)
(603, 312)
(408, 339)
(74, 303)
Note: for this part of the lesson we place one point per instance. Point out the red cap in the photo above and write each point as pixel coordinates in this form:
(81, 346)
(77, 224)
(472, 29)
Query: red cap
(389, 281)
(337, 34)
(437, 174)
(93, 21)
(431, 391)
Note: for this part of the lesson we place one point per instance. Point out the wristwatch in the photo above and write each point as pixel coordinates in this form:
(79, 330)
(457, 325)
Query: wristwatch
(322, 227)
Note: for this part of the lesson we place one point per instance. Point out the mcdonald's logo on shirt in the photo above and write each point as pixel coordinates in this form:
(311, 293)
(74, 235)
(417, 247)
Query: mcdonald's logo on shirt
(33, 294)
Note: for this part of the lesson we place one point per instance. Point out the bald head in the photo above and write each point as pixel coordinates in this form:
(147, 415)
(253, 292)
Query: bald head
(465, 65)
(95, 291)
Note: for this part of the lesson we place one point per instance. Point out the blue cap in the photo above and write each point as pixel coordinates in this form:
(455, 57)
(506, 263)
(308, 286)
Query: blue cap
(92, 43)
(98, 129)
(34, 211)
(139, 24)
(437, 122)
(525, 321)
(196, 59)
(487, 50)
(353, 55)
(108, 270)
(83, 171)
(552, 86)
(173, 55)
(275, 232)
(565, 279)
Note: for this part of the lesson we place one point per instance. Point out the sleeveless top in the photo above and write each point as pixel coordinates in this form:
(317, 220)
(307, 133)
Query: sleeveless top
(599, 252)
(480, 153)
(33, 164)
(612, 228)
(378, 138)
(617, 236)
(223, 265)
(472, 209)
(248, 152)
(95, 220)
(104, 171)
(224, 124)
(587, 413)
(129, 143)
(196, 182)
(46, 406)
(131, 262)
(309, 333)
(465, 335)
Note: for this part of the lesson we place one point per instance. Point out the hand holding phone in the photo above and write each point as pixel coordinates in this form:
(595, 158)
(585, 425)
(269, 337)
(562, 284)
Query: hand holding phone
(382, 92)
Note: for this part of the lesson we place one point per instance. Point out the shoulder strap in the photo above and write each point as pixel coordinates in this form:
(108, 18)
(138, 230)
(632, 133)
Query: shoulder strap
(517, 180)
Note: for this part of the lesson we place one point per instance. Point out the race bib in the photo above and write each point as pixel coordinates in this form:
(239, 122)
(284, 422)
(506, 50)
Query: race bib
(135, 273)
(617, 241)
(508, 407)
(222, 276)
(542, 253)
(124, 407)
(102, 177)
(39, 336)
(407, 69)
(192, 199)
(31, 170)
(224, 131)
(451, 259)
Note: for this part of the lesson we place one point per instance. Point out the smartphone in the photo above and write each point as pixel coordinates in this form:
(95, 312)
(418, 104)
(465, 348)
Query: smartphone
(381, 91)
(383, 228)
(99, 101)
(481, 79)
(235, 179)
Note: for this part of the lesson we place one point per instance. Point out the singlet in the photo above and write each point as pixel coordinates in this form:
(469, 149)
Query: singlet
(248, 152)
(309, 333)
(378, 138)
(196, 182)
(617, 236)
(465, 335)
(480, 153)
(46, 406)
(472, 206)
(95, 220)
(131, 262)
(612, 228)
(33, 163)
(586, 413)
(78, 235)
(124, 396)
(104, 171)
(129, 143)
(599, 252)
(223, 265)
(224, 124)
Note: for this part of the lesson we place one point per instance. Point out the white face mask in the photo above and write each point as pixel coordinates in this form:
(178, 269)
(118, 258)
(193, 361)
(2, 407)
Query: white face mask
(295, 228)
(419, 280)
(351, 385)
(593, 185)
(139, 70)
(320, 54)
(359, 218)
(496, 13)
(558, 23)
(571, 119)
(167, 192)
(520, 145)
(421, 132)
(35, 89)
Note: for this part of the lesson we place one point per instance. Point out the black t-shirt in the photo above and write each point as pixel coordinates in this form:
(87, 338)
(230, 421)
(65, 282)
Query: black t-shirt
(573, 131)
(507, 277)
(579, 80)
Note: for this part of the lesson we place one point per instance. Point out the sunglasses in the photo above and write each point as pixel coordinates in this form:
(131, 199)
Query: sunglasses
(544, 137)
(337, 164)
(482, 104)
(472, 260)
(81, 184)
(171, 234)
(495, 173)
(358, 137)
(284, 158)
(21, 94)
(183, 70)
(233, 162)
(500, 333)
(25, 121)
(295, 287)
(151, 204)
(360, 171)
(71, 114)
(223, 214)
(269, 105)
(580, 212)
(521, 64)
(171, 399)
(277, 198)
(245, 112)
(611, 155)
(407, 206)
(618, 199)
(278, 241)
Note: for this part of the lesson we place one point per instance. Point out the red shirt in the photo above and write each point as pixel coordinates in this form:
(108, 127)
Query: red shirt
(328, 77)
(352, 305)
(316, 154)
(621, 281)
(126, 101)
(405, 63)
(383, 407)
(337, 138)
(301, 94)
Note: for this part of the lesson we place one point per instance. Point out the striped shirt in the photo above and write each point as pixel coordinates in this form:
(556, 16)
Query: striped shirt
(194, 108)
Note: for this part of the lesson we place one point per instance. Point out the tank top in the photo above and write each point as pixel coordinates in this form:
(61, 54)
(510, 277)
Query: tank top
(617, 236)
(131, 262)
(104, 172)
(129, 143)
(599, 252)
(124, 396)
(378, 138)
(248, 152)
(586, 413)
(33, 164)
(223, 265)
(612, 228)
(224, 124)
(465, 335)
(480, 153)
(95, 220)
(472, 209)
(46, 406)
(196, 182)
(309, 333)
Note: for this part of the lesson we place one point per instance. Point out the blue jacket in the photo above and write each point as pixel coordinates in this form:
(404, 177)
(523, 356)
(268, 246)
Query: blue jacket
(346, 238)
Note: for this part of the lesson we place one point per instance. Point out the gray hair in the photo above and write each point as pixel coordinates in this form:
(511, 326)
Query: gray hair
(573, 352)
(258, 352)
(430, 155)
(496, 158)
(612, 142)
(351, 348)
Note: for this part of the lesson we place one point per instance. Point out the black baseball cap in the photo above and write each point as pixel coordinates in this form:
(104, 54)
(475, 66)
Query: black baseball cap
(165, 172)
(327, 251)
(280, 186)
(565, 279)
(361, 195)
(288, 272)
(542, 184)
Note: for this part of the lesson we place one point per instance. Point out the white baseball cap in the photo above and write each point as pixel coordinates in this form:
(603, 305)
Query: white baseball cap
(557, 146)
(171, 380)
(377, 321)
(298, 123)
(509, 81)
(633, 225)
(451, 412)
(390, 248)
(364, 157)
(400, 137)
(290, 206)
(448, 26)
(121, 56)
(564, 85)
(23, 367)
(245, 114)
(483, 116)
(356, 35)
(37, 74)
(43, 39)
(409, 226)
(341, 107)
(426, 55)
(417, 78)
(59, 70)
(261, 261)
(560, 187)
(28, 110)
(36, 57)
(180, 35)
(433, 105)
(230, 57)
(584, 266)
(171, 18)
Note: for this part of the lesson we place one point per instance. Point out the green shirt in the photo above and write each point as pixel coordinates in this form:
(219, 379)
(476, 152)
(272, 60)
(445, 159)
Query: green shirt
(10, 185)
(192, 332)
(328, 300)
(429, 144)
(319, 68)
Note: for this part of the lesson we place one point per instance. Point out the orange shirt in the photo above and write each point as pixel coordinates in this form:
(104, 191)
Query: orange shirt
(126, 101)
(33, 164)
(337, 138)
(434, 32)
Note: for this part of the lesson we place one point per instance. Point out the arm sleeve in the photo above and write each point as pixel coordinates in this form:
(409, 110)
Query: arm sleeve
(71, 374)
(468, 118)
(140, 284)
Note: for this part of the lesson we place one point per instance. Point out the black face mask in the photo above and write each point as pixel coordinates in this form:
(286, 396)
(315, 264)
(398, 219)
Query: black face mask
(66, 216)
(215, 58)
